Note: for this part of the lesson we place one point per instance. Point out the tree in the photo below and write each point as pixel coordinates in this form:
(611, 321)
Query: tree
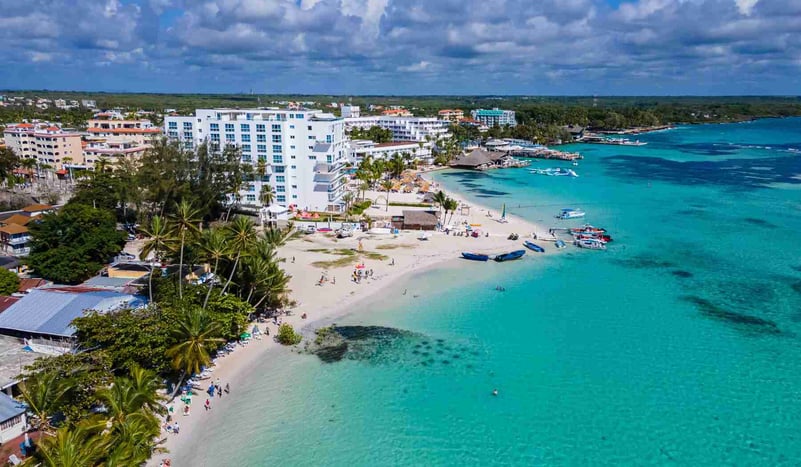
(157, 243)
(451, 205)
(43, 394)
(9, 282)
(287, 335)
(440, 197)
(8, 162)
(184, 225)
(73, 244)
(266, 195)
(241, 235)
(386, 185)
(215, 247)
(196, 336)
(70, 447)
(347, 198)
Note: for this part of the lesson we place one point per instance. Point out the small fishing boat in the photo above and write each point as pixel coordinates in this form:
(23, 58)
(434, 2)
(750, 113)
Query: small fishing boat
(591, 244)
(533, 246)
(512, 255)
(570, 213)
(560, 244)
(475, 256)
(587, 228)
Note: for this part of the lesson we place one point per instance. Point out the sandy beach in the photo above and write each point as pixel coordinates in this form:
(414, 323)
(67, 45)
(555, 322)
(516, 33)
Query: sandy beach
(321, 255)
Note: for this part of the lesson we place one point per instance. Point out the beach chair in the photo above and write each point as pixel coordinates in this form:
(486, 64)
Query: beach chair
(14, 460)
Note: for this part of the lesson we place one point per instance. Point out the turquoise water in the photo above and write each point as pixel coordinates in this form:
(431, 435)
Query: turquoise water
(679, 345)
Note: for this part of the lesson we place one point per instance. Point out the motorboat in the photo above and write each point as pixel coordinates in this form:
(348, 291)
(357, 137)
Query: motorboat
(570, 213)
(533, 246)
(555, 172)
(591, 244)
(593, 236)
(512, 255)
(560, 244)
(475, 256)
(545, 237)
(587, 228)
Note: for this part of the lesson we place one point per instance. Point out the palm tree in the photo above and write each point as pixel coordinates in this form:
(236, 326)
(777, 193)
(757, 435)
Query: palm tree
(266, 195)
(184, 225)
(215, 247)
(241, 236)
(451, 205)
(67, 161)
(44, 393)
(29, 163)
(386, 185)
(70, 447)
(347, 198)
(196, 336)
(158, 240)
(261, 168)
(440, 197)
(131, 396)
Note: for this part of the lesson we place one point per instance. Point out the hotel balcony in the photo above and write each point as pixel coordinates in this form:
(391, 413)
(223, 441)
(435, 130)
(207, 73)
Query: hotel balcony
(19, 240)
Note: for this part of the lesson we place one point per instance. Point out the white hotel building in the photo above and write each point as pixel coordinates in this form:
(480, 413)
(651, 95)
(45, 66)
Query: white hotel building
(304, 150)
(404, 128)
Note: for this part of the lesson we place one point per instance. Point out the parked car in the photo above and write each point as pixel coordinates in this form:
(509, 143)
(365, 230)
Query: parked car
(344, 232)
(310, 229)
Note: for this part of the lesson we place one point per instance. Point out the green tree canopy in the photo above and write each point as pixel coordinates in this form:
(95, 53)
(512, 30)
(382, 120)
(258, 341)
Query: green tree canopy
(9, 282)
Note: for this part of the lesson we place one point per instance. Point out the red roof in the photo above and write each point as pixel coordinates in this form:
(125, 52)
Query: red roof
(6, 302)
(28, 284)
(52, 128)
(22, 125)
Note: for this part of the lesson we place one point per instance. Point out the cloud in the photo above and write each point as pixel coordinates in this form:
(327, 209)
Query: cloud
(410, 46)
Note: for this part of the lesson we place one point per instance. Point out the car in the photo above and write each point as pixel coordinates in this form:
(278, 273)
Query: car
(344, 232)
(310, 229)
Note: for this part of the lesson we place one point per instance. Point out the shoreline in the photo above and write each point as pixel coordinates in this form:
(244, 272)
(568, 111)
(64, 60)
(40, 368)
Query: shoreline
(336, 298)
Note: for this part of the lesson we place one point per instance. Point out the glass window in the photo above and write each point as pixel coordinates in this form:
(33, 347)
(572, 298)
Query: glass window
(261, 138)
(280, 189)
(312, 158)
(261, 128)
(250, 197)
(329, 138)
(229, 127)
(294, 167)
(294, 196)
(245, 148)
(187, 125)
(246, 158)
(280, 198)
(245, 138)
(214, 127)
(251, 188)
(172, 125)
(311, 136)
(292, 147)
(244, 127)
(230, 137)
(279, 169)
(187, 135)
(276, 138)
(295, 187)
(173, 134)
(280, 179)
(276, 127)
(261, 148)
(278, 159)
(277, 148)
(309, 128)
(188, 145)
(292, 126)
(215, 136)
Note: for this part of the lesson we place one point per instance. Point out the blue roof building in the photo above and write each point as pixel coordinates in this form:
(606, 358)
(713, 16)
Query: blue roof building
(49, 312)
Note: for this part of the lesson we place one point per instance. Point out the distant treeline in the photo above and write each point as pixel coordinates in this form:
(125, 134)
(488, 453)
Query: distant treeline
(596, 112)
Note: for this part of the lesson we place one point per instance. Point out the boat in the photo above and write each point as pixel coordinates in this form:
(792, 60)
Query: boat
(560, 244)
(570, 213)
(593, 236)
(503, 219)
(555, 172)
(591, 244)
(533, 246)
(512, 255)
(587, 228)
(545, 237)
(423, 235)
(475, 256)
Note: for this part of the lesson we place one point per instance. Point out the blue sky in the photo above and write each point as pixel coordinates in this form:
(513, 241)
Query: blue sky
(537, 47)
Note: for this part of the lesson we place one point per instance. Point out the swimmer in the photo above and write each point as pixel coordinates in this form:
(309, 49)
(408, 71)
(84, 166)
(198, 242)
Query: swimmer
(494, 392)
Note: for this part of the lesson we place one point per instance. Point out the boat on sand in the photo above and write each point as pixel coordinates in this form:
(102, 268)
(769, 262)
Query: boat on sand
(512, 255)
(534, 247)
(475, 256)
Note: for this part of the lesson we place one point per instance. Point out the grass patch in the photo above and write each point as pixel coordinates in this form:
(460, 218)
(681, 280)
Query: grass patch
(412, 205)
(375, 256)
(395, 246)
(338, 251)
(349, 257)
(336, 263)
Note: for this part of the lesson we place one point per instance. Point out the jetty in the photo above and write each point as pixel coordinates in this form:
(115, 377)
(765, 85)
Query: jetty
(480, 159)
(527, 150)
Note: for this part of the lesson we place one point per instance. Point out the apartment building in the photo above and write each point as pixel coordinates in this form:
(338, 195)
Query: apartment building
(140, 132)
(494, 117)
(361, 148)
(45, 142)
(404, 128)
(302, 152)
(451, 115)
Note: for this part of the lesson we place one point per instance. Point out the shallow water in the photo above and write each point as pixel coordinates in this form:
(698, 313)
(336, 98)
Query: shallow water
(680, 344)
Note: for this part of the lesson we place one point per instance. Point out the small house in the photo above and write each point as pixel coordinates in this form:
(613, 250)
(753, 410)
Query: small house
(37, 209)
(416, 220)
(13, 421)
(14, 239)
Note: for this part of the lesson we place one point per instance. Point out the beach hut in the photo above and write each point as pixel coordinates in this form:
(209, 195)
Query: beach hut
(419, 220)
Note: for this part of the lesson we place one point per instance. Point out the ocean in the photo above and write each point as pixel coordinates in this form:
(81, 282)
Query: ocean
(680, 344)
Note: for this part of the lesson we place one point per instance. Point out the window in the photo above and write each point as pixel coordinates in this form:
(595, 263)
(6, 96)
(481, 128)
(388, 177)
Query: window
(292, 147)
(245, 148)
(291, 136)
(230, 137)
(250, 197)
(214, 127)
(311, 136)
(311, 148)
(280, 199)
(262, 158)
(294, 167)
(188, 145)
(187, 125)
(172, 125)
(294, 187)
(246, 158)
(11, 423)
(280, 189)
(329, 138)
(276, 127)
(229, 127)
(187, 135)
(251, 188)
(280, 179)
(280, 169)
(292, 156)
(244, 127)
(312, 158)
(261, 128)
(292, 126)
(329, 159)
(215, 137)
(277, 148)
(294, 196)
(173, 134)
(309, 128)
(245, 138)
(261, 138)
(261, 148)
(276, 138)
(278, 159)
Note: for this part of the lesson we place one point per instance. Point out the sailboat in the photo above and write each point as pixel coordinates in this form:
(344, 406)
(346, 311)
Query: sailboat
(503, 219)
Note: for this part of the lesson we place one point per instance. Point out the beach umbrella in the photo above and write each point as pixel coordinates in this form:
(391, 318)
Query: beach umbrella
(245, 335)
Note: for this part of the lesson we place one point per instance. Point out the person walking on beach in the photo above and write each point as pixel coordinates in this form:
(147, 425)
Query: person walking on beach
(227, 388)
(208, 405)
(219, 391)
(175, 427)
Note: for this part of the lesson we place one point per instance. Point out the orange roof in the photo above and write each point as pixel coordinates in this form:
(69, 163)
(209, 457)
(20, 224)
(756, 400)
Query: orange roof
(22, 125)
(12, 229)
(6, 302)
(37, 208)
(52, 128)
(18, 219)
(124, 130)
(28, 284)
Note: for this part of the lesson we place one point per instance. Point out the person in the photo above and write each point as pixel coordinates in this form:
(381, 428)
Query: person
(219, 391)
(494, 392)
(293, 259)
(393, 262)
(186, 412)
(227, 388)
(334, 281)
(208, 405)
(303, 316)
(176, 428)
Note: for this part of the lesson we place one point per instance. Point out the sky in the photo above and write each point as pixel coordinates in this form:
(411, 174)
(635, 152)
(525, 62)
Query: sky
(465, 47)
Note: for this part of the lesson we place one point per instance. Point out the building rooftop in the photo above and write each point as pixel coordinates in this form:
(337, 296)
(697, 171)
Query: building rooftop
(37, 208)
(18, 219)
(31, 283)
(13, 359)
(9, 408)
(12, 229)
(51, 311)
(6, 302)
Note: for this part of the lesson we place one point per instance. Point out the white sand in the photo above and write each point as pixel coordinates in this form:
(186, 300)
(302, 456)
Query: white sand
(326, 302)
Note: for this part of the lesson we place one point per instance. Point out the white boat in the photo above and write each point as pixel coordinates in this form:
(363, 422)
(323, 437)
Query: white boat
(570, 213)
(545, 237)
(424, 235)
(380, 231)
(555, 172)
(591, 244)
(503, 219)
